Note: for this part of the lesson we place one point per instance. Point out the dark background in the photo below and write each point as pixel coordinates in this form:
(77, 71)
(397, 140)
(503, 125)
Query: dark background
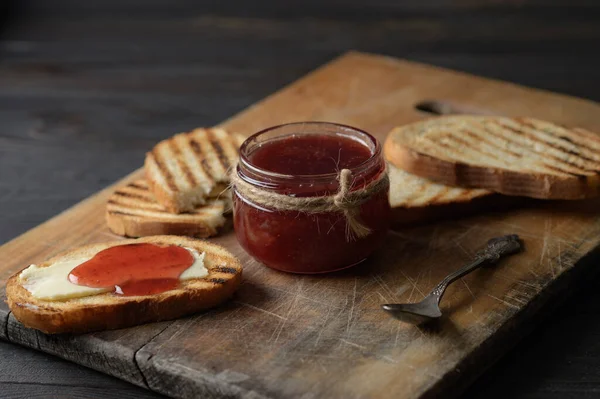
(86, 87)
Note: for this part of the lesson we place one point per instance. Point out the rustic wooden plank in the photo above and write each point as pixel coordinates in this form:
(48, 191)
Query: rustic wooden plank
(311, 327)
(537, 354)
(284, 333)
(108, 350)
(33, 374)
(12, 390)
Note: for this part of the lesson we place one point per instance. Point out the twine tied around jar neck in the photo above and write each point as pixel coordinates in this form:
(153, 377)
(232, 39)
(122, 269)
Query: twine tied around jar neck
(344, 201)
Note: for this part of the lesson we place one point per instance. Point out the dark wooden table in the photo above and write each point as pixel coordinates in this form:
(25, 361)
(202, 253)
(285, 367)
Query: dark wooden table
(86, 87)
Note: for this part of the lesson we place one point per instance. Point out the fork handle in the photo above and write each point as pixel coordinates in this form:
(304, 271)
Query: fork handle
(493, 251)
(439, 289)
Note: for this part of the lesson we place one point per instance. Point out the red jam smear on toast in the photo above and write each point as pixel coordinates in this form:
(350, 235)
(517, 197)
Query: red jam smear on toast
(134, 269)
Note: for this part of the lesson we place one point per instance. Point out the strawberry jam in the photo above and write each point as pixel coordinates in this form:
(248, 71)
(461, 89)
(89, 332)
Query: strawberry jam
(134, 269)
(305, 160)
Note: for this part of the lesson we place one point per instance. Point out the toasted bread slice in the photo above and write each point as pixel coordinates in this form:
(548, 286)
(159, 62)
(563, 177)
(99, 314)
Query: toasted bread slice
(110, 311)
(132, 211)
(186, 169)
(414, 199)
(411, 191)
(513, 156)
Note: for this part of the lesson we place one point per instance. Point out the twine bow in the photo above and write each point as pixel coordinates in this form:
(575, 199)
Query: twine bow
(344, 201)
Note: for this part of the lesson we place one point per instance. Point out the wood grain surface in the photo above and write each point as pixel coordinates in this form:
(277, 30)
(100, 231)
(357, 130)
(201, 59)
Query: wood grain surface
(303, 336)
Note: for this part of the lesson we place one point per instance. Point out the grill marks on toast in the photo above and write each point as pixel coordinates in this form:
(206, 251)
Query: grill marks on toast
(199, 180)
(410, 191)
(577, 139)
(477, 151)
(216, 145)
(185, 169)
(555, 152)
(494, 146)
(225, 147)
(561, 143)
(440, 195)
(164, 173)
(584, 137)
(435, 194)
(135, 199)
(514, 156)
(196, 147)
(553, 155)
(573, 144)
(223, 269)
(135, 196)
(507, 147)
(470, 146)
(209, 153)
(126, 194)
(516, 144)
(179, 158)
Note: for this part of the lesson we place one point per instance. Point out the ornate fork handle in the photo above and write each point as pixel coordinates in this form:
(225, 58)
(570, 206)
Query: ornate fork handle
(495, 249)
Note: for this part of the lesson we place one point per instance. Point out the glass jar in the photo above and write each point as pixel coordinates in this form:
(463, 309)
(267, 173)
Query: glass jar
(303, 160)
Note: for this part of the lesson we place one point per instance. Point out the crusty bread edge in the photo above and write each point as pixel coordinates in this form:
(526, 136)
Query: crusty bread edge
(140, 226)
(122, 312)
(115, 316)
(501, 181)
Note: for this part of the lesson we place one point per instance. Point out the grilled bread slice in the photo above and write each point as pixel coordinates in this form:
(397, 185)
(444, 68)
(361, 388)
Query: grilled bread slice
(132, 211)
(110, 311)
(414, 199)
(186, 169)
(513, 156)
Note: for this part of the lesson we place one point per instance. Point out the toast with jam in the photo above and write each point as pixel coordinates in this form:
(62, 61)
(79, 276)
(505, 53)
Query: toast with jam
(415, 200)
(87, 289)
(188, 168)
(132, 211)
(513, 156)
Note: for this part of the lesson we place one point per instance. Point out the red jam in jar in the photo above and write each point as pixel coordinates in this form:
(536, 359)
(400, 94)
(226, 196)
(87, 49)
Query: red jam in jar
(302, 160)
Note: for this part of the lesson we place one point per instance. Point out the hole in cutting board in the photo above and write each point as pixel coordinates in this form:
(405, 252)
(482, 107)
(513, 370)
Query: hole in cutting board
(440, 107)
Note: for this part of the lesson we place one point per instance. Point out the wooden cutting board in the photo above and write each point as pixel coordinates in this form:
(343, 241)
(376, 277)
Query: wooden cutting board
(305, 337)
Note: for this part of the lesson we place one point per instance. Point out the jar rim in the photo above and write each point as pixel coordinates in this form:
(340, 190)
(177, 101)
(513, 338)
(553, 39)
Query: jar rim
(367, 139)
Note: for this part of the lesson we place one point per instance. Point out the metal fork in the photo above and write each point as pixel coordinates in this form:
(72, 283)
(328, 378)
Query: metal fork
(428, 309)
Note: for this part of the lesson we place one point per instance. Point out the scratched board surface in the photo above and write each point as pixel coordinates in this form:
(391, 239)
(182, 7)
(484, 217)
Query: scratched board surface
(303, 336)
